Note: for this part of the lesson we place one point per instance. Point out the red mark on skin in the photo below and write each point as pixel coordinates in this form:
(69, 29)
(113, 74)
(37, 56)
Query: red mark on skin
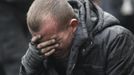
(49, 27)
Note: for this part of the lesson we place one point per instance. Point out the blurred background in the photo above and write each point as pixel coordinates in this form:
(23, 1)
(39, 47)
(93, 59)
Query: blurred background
(14, 35)
(121, 9)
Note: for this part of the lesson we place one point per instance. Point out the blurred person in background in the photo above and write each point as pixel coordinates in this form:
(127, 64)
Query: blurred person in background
(13, 34)
(122, 9)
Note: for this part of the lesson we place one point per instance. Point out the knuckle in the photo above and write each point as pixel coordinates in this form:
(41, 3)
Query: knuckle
(42, 50)
(42, 45)
(49, 53)
(32, 40)
(48, 48)
(56, 45)
(39, 46)
(52, 41)
(46, 54)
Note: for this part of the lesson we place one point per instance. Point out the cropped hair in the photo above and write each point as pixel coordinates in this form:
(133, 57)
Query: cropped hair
(40, 9)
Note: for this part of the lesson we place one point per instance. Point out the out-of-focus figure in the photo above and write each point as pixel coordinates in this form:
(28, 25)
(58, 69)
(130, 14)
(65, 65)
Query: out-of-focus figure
(127, 8)
(122, 9)
(127, 11)
(13, 34)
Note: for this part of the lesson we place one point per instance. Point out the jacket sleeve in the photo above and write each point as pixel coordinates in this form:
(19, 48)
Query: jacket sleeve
(32, 62)
(120, 57)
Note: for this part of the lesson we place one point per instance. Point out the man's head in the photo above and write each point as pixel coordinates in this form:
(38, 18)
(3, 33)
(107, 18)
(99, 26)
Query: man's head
(52, 17)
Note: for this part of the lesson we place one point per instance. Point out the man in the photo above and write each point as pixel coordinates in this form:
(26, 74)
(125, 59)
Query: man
(76, 37)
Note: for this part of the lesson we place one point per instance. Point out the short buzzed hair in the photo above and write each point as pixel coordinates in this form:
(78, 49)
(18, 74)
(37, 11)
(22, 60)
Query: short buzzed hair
(58, 9)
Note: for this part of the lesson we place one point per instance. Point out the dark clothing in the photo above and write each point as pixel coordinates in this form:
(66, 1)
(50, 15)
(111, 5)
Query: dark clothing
(100, 47)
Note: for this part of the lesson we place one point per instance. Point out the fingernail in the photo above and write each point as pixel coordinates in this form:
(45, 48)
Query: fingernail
(53, 49)
(38, 46)
(57, 45)
(53, 40)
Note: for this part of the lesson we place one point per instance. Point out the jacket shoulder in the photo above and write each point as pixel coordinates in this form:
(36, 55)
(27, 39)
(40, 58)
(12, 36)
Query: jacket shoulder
(111, 33)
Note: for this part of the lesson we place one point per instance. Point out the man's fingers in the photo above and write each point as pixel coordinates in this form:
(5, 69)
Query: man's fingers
(45, 44)
(35, 38)
(49, 53)
(54, 37)
(49, 48)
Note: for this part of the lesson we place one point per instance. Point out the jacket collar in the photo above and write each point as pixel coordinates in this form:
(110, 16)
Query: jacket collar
(81, 33)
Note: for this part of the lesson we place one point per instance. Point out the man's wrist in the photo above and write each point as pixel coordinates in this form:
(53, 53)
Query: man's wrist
(32, 60)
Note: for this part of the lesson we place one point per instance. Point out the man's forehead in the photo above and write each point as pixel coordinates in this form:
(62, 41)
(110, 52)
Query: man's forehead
(48, 26)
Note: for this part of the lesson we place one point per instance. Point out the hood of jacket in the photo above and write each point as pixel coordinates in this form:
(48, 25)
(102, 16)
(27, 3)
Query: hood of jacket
(92, 20)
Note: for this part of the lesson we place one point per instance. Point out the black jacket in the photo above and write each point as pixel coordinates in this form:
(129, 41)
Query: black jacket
(100, 47)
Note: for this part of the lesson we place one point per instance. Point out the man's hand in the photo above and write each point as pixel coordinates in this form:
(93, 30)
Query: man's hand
(46, 48)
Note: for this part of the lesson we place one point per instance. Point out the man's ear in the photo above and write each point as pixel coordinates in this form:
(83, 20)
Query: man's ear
(73, 24)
